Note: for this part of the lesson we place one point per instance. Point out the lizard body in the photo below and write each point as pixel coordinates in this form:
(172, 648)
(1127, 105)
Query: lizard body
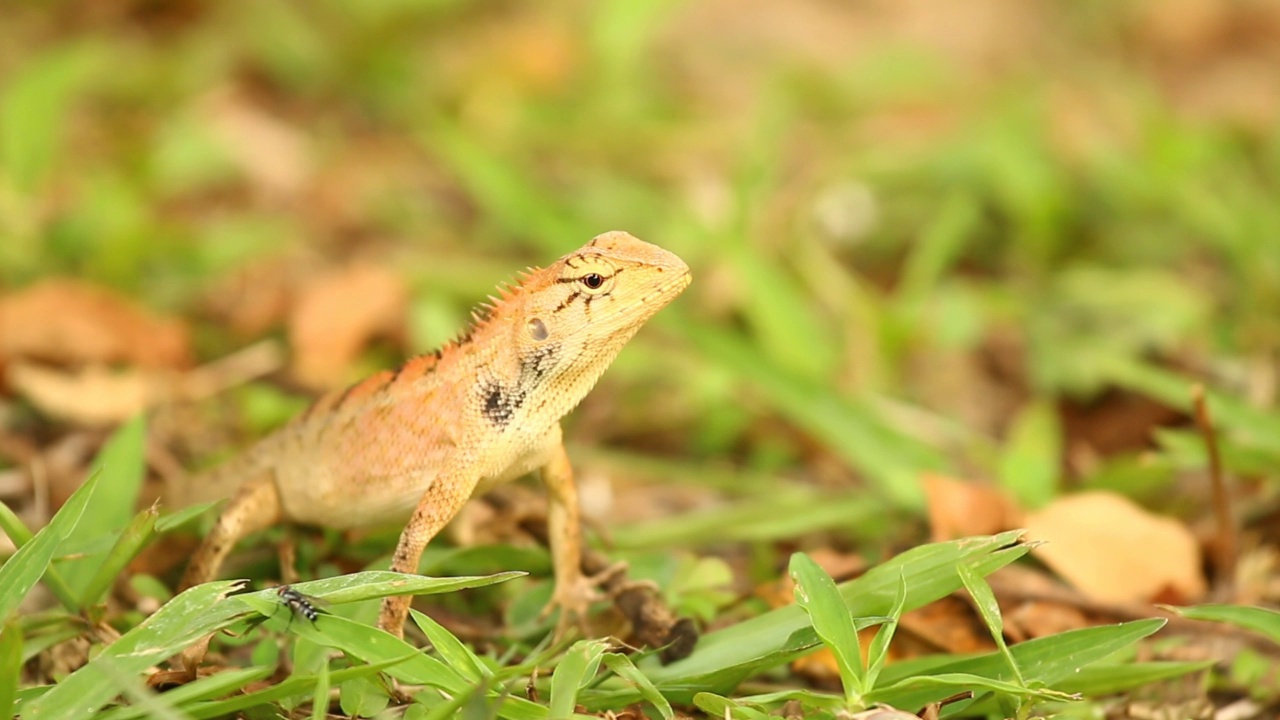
(418, 441)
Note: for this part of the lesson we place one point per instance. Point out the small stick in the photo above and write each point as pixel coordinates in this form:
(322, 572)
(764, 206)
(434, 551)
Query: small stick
(1226, 541)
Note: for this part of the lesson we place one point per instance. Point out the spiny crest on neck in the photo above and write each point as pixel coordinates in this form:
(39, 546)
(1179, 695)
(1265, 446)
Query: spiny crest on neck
(484, 314)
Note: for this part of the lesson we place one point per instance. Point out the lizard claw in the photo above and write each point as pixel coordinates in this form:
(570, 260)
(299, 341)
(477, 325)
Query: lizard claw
(574, 600)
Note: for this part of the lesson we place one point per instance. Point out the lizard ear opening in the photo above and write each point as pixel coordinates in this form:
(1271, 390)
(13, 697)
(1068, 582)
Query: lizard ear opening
(537, 329)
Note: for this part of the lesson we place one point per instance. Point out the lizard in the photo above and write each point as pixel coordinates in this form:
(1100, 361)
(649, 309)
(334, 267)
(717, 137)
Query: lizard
(418, 441)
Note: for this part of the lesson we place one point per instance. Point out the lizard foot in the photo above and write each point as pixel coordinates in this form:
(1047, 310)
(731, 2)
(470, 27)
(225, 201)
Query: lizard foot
(574, 599)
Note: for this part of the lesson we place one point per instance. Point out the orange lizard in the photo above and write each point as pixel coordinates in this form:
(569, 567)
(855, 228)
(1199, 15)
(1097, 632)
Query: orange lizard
(418, 441)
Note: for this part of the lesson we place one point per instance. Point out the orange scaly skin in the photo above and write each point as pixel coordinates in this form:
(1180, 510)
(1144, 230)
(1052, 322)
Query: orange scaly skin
(417, 442)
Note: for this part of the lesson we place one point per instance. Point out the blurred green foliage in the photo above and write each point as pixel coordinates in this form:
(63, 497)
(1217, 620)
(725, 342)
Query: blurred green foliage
(869, 213)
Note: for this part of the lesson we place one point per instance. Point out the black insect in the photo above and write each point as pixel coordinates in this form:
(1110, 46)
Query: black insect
(297, 602)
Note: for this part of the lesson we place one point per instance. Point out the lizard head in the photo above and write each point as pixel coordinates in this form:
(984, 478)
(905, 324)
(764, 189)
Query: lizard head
(579, 311)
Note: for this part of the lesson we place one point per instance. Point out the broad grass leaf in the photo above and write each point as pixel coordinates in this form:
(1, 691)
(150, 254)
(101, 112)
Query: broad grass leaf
(578, 667)
(121, 465)
(33, 107)
(1030, 462)
(1043, 662)
(452, 650)
(284, 689)
(878, 653)
(985, 601)
(1264, 621)
(377, 584)
(21, 571)
(130, 542)
(622, 666)
(851, 429)
(373, 645)
(10, 667)
(19, 535)
(320, 696)
(199, 611)
(722, 707)
(209, 686)
(723, 658)
(816, 592)
(362, 697)
(1109, 679)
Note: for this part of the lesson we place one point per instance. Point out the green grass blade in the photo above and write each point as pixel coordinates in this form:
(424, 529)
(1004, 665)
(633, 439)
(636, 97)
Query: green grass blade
(180, 622)
(578, 667)
(500, 187)
(722, 707)
(817, 594)
(1110, 679)
(622, 666)
(21, 572)
(18, 533)
(320, 697)
(209, 686)
(723, 658)
(989, 609)
(1043, 661)
(850, 429)
(287, 688)
(169, 521)
(10, 667)
(373, 645)
(878, 653)
(452, 650)
(362, 697)
(377, 584)
(131, 542)
(1264, 621)
(121, 466)
(945, 684)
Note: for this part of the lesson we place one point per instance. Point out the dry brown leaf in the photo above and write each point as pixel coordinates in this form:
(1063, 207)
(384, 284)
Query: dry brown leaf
(337, 314)
(960, 509)
(90, 396)
(73, 321)
(1113, 550)
(270, 152)
(96, 395)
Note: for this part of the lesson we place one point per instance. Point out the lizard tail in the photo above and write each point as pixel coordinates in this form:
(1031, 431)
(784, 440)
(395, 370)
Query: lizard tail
(218, 482)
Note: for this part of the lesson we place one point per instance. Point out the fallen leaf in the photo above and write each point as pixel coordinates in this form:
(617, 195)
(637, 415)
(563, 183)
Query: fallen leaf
(961, 509)
(1113, 550)
(73, 321)
(337, 314)
(271, 153)
(93, 395)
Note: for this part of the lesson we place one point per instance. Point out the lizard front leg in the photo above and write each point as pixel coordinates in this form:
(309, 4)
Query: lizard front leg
(439, 504)
(573, 593)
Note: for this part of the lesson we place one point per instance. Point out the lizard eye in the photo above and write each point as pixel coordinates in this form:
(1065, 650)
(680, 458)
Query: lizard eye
(593, 281)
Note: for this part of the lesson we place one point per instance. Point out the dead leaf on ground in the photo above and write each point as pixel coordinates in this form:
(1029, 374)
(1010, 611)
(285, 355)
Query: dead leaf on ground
(71, 321)
(961, 509)
(96, 395)
(269, 151)
(1113, 550)
(337, 314)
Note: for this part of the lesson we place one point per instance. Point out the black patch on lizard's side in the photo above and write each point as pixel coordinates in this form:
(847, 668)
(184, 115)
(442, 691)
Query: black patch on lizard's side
(500, 404)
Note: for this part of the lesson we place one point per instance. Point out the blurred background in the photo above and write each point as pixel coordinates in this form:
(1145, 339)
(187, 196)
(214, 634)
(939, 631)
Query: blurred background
(994, 241)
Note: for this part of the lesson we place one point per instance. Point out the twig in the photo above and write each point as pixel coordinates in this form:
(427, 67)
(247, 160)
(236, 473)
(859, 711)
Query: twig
(1227, 542)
